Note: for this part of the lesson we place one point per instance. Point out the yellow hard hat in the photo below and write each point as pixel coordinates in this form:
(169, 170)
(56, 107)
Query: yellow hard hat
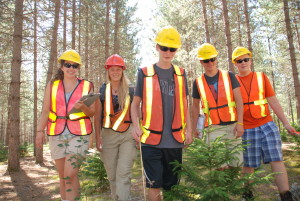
(207, 51)
(239, 51)
(70, 55)
(168, 37)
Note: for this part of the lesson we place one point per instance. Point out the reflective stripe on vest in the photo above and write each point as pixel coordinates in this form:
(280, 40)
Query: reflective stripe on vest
(204, 100)
(107, 106)
(108, 109)
(180, 84)
(231, 103)
(149, 86)
(53, 105)
(261, 100)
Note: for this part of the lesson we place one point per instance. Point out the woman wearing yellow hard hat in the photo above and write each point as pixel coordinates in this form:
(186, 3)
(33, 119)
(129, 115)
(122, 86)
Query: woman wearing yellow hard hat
(68, 133)
(113, 128)
(261, 136)
(165, 121)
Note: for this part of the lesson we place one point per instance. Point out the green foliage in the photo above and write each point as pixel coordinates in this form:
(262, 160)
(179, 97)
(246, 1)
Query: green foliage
(296, 139)
(94, 175)
(201, 179)
(3, 152)
(284, 136)
(24, 149)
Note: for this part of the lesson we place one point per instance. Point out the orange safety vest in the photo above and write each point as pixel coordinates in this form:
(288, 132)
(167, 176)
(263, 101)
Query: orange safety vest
(58, 119)
(255, 101)
(224, 109)
(119, 121)
(152, 107)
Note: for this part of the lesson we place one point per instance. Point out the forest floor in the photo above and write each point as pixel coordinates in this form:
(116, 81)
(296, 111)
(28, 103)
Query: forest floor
(40, 182)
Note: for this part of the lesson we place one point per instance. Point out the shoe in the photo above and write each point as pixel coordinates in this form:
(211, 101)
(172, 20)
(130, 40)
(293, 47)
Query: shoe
(287, 196)
(248, 195)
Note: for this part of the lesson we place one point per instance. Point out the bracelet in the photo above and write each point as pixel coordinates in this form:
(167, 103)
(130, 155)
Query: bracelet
(240, 123)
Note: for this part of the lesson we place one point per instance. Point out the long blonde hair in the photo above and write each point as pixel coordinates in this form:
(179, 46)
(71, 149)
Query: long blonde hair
(123, 89)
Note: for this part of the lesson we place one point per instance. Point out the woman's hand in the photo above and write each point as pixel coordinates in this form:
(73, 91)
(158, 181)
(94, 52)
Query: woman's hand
(40, 139)
(79, 105)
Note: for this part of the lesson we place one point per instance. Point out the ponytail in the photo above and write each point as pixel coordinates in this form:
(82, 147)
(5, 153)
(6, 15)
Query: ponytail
(59, 74)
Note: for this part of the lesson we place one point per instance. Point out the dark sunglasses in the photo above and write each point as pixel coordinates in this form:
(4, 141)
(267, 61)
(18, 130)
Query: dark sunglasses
(209, 60)
(165, 49)
(242, 60)
(67, 65)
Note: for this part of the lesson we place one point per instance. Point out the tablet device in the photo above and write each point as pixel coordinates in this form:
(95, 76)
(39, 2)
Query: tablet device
(87, 100)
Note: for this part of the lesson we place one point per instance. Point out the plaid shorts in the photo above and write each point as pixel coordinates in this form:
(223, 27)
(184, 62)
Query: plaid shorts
(262, 142)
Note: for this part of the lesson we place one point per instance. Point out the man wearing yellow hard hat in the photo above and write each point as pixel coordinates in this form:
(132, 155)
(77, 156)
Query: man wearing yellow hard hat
(221, 100)
(261, 135)
(164, 126)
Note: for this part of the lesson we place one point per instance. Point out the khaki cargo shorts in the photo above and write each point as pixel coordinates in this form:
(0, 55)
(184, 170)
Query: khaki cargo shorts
(60, 148)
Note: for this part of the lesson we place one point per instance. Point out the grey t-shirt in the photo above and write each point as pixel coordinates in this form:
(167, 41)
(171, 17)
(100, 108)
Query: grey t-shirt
(166, 80)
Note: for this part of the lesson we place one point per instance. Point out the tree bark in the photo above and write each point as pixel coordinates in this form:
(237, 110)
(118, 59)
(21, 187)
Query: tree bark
(73, 24)
(207, 36)
(239, 23)
(53, 48)
(86, 69)
(13, 127)
(107, 29)
(249, 40)
(65, 25)
(117, 26)
(293, 57)
(38, 152)
(228, 34)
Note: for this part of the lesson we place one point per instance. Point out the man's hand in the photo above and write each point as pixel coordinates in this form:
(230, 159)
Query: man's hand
(136, 133)
(99, 144)
(238, 130)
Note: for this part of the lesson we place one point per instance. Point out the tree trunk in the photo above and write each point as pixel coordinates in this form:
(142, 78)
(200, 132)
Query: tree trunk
(297, 33)
(228, 35)
(207, 36)
(73, 23)
(117, 25)
(249, 40)
(53, 48)
(65, 25)
(239, 23)
(13, 128)
(86, 69)
(38, 152)
(213, 28)
(293, 56)
(107, 29)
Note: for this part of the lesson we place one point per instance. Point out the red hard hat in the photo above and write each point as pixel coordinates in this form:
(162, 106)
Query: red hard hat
(115, 60)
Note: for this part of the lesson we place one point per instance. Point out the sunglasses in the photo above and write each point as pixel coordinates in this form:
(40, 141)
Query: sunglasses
(242, 60)
(67, 65)
(165, 49)
(209, 60)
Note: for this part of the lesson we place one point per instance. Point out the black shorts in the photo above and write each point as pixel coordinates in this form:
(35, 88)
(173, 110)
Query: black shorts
(158, 170)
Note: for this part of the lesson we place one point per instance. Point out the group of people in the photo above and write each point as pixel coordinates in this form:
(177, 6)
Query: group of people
(155, 116)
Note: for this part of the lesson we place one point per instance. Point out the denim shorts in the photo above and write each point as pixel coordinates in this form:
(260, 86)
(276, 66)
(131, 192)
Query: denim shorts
(262, 143)
(158, 171)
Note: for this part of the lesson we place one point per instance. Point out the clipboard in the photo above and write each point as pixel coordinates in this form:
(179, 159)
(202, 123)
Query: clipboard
(87, 100)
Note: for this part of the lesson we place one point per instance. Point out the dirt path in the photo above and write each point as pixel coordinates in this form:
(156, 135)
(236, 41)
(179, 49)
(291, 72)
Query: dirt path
(40, 183)
(33, 182)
